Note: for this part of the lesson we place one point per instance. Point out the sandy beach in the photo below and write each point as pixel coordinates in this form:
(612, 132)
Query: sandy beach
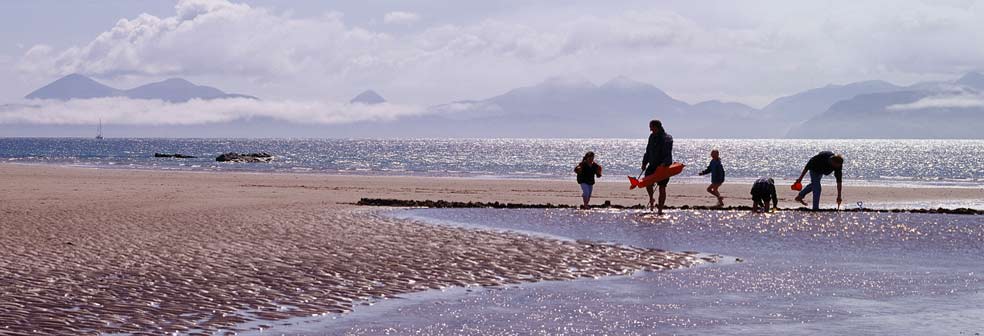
(86, 251)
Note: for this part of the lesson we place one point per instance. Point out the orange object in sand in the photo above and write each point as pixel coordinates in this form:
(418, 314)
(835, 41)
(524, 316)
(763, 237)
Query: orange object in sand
(796, 186)
(661, 173)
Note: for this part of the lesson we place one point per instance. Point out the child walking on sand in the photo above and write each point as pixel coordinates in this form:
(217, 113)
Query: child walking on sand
(717, 176)
(586, 171)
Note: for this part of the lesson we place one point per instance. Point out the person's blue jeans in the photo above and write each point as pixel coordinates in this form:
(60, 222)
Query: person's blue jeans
(586, 190)
(813, 187)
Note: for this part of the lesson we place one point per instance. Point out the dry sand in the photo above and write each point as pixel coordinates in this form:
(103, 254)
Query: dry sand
(98, 250)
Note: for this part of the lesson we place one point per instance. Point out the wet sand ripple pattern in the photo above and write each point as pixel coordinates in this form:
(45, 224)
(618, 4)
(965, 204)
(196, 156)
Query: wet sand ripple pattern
(87, 271)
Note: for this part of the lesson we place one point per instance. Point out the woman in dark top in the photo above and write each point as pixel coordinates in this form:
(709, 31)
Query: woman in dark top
(819, 165)
(586, 171)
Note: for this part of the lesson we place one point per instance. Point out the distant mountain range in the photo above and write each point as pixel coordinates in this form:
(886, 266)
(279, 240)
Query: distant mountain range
(949, 110)
(77, 86)
(563, 107)
(368, 97)
(621, 107)
(811, 103)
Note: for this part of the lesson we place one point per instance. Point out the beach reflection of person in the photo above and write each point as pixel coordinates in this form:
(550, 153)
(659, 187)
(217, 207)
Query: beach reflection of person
(586, 171)
(659, 152)
(819, 165)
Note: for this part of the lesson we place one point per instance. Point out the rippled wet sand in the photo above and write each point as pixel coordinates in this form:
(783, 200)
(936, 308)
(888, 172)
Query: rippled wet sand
(129, 264)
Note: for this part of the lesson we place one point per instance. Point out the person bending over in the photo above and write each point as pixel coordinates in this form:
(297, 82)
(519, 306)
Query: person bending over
(823, 163)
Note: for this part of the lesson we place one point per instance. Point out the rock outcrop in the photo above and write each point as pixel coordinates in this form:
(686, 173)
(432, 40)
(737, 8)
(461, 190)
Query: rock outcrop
(250, 157)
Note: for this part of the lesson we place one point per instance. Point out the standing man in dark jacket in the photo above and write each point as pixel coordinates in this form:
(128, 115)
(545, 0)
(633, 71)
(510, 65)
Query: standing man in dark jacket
(819, 165)
(659, 152)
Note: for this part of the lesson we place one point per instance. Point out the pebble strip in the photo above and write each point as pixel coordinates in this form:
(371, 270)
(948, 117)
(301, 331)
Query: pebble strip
(609, 205)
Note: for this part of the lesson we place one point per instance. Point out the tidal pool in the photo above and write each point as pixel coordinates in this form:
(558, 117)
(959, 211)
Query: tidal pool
(791, 273)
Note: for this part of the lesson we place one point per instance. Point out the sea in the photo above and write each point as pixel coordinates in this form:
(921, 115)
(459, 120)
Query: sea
(913, 163)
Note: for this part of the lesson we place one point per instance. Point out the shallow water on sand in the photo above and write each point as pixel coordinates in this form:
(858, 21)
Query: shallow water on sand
(801, 273)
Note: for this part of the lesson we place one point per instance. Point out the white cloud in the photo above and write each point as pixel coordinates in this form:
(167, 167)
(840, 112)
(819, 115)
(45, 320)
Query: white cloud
(748, 50)
(398, 17)
(213, 37)
(237, 43)
(945, 101)
(126, 111)
(467, 110)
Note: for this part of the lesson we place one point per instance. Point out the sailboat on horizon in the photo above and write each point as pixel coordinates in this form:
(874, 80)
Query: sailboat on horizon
(99, 130)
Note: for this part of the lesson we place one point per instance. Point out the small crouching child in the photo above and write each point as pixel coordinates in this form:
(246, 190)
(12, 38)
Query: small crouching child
(763, 191)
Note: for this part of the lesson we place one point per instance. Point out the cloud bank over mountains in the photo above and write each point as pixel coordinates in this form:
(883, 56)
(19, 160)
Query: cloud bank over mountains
(714, 68)
(79, 100)
(557, 107)
(126, 111)
(944, 101)
(750, 51)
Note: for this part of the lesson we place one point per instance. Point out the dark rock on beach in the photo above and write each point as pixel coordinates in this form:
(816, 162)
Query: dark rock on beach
(250, 157)
(175, 155)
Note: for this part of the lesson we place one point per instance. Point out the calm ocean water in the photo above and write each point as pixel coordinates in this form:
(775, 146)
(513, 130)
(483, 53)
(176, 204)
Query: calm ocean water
(906, 162)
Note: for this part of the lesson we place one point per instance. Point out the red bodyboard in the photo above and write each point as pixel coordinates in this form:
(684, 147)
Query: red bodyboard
(661, 173)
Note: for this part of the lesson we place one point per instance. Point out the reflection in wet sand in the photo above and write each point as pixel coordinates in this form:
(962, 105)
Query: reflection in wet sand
(213, 271)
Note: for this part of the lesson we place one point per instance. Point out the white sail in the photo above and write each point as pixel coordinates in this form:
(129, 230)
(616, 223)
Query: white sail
(99, 130)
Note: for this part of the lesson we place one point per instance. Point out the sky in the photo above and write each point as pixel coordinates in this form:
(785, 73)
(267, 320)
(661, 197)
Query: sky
(422, 52)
